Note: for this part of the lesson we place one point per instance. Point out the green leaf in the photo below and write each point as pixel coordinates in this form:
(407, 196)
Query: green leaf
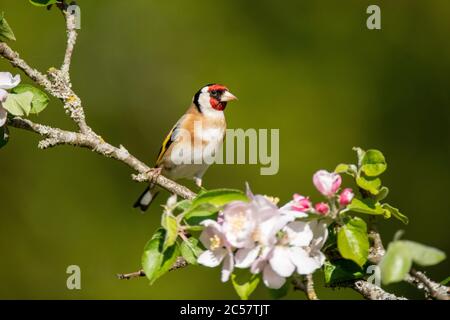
(341, 271)
(445, 281)
(367, 206)
(201, 212)
(400, 255)
(18, 104)
(395, 212)
(373, 163)
(219, 197)
(43, 3)
(40, 99)
(382, 193)
(4, 135)
(169, 223)
(6, 32)
(421, 254)
(190, 250)
(342, 168)
(395, 264)
(183, 205)
(245, 289)
(349, 169)
(370, 184)
(155, 261)
(208, 203)
(353, 242)
(360, 153)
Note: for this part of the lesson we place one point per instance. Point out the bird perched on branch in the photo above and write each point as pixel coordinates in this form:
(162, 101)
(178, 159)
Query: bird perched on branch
(190, 146)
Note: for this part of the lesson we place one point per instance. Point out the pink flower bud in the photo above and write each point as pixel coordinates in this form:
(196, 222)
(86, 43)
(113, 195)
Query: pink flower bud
(327, 183)
(346, 196)
(301, 203)
(322, 208)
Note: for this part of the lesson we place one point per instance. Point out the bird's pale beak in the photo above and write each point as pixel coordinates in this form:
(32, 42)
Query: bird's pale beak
(227, 96)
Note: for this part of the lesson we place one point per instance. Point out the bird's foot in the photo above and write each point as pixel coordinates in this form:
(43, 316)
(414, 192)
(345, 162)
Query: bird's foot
(154, 173)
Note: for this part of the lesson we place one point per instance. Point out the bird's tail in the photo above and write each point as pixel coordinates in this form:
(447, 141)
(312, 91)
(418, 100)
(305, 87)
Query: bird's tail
(146, 198)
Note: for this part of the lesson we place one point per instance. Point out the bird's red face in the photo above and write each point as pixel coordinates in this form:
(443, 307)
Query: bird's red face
(213, 97)
(219, 96)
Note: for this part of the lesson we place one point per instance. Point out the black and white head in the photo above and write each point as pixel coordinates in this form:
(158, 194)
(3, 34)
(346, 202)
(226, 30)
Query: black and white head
(213, 98)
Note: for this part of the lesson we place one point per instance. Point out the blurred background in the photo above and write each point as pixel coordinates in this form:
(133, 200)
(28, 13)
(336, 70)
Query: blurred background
(310, 68)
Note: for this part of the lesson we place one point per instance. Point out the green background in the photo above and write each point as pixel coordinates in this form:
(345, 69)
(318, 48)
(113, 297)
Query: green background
(310, 68)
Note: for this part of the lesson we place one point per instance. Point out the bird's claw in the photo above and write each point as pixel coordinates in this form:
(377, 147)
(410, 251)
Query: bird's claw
(153, 174)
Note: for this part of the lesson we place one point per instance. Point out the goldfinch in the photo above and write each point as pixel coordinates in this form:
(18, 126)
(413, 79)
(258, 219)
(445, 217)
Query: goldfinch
(194, 138)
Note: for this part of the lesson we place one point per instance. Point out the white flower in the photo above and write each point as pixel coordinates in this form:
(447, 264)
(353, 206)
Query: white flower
(7, 81)
(298, 250)
(238, 224)
(3, 113)
(271, 279)
(306, 240)
(219, 249)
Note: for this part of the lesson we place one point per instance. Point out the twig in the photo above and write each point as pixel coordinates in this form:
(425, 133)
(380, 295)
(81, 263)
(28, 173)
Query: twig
(373, 292)
(128, 276)
(433, 289)
(306, 285)
(71, 40)
(56, 136)
(377, 250)
(310, 292)
(179, 263)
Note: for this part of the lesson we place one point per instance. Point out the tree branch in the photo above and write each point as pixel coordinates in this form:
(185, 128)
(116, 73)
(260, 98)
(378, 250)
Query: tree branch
(55, 136)
(306, 285)
(180, 263)
(71, 40)
(433, 289)
(373, 292)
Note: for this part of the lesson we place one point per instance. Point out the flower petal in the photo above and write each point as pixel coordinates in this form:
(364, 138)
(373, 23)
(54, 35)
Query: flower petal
(245, 257)
(228, 266)
(266, 231)
(299, 233)
(304, 263)
(210, 258)
(238, 224)
(7, 81)
(3, 116)
(320, 231)
(281, 262)
(271, 279)
(288, 209)
(3, 95)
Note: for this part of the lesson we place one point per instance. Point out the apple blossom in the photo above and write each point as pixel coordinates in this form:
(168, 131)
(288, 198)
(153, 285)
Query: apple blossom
(307, 258)
(268, 240)
(218, 249)
(301, 203)
(346, 196)
(298, 249)
(298, 207)
(322, 208)
(7, 81)
(326, 182)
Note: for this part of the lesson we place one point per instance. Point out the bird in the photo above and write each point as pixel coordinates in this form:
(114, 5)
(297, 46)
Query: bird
(193, 140)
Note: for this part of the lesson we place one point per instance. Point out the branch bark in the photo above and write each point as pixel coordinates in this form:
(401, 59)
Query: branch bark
(373, 292)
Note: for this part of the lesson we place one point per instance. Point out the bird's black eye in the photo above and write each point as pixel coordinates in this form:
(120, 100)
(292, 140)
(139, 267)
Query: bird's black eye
(214, 93)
